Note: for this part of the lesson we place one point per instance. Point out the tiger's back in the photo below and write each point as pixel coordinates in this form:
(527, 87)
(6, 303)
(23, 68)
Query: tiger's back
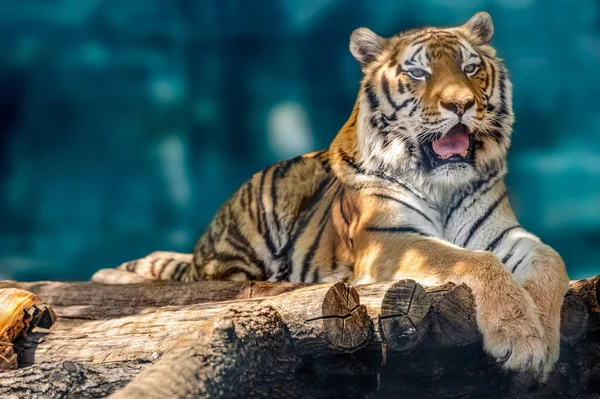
(278, 227)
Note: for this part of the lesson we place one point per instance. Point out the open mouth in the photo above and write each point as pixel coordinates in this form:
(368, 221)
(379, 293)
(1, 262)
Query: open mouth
(455, 147)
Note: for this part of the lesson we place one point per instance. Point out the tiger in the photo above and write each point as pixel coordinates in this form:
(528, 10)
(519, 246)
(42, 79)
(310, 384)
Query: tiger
(411, 187)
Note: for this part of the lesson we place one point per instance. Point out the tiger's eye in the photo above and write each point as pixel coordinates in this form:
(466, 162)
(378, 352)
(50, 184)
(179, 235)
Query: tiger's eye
(471, 68)
(417, 73)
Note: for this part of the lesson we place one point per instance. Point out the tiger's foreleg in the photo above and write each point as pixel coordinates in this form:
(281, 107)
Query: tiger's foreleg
(542, 273)
(506, 313)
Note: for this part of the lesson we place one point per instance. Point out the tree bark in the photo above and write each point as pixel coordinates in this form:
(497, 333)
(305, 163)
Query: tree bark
(328, 340)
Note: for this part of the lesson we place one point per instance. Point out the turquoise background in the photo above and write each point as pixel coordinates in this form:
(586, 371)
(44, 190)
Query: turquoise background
(124, 124)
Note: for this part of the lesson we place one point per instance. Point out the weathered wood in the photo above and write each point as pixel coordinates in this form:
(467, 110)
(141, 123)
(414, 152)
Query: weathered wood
(589, 291)
(454, 322)
(574, 319)
(284, 346)
(20, 311)
(285, 326)
(90, 331)
(87, 334)
(403, 320)
(88, 300)
(345, 320)
(68, 379)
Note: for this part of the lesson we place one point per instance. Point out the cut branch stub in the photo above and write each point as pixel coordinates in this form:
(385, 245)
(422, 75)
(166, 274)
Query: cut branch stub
(403, 320)
(454, 323)
(20, 311)
(345, 321)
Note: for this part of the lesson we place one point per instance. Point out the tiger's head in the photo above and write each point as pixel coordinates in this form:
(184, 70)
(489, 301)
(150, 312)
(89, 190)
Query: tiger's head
(434, 103)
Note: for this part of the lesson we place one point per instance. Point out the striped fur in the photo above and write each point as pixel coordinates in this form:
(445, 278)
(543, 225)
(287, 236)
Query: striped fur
(372, 208)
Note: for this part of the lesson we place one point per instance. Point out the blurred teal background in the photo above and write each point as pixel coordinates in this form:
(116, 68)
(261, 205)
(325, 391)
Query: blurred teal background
(124, 124)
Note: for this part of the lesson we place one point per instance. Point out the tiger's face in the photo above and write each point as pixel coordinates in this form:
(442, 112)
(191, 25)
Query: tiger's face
(433, 101)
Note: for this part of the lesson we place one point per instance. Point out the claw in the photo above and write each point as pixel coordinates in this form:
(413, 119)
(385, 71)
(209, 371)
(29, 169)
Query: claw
(504, 358)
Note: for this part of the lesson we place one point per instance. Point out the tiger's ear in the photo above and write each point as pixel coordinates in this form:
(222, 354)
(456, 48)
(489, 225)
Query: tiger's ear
(480, 25)
(365, 45)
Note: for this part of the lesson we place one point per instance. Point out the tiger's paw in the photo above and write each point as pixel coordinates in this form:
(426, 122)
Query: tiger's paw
(514, 336)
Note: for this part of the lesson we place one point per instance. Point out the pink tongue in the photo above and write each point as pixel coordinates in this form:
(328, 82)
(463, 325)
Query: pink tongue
(455, 142)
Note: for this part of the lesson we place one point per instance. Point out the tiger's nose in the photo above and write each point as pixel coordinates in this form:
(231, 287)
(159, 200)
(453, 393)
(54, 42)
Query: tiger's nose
(459, 105)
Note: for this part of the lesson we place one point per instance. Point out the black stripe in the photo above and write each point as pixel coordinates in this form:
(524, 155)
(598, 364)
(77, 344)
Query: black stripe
(469, 193)
(263, 220)
(502, 88)
(483, 218)
(487, 77)
(316, 275)
(259, 206)
(395, 229)
(511, 252)
(242, 198)
(493, 80)
(418, 34)
(417, 51)
(285, 269)
(279, 172)
(152, 266)
(334, 259)
(412, 111)
(179, 270)
(518, 263)
(352, 163)
(313, 247)
(373, 101)
(400, 87)
(404, 104)
(250, 202)
(498, 239)
(386, 89)
(242, 245)
(399, 70)
(406, 205)
(416, 42)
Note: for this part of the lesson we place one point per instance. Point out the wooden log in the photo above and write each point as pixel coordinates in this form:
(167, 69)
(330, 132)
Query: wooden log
(345, 320)
(93, 334)
(261, 336)
(308, 359)
(68, 379)
(92, 331)
(20, 311)
(92, 301)
(453, 322)
(403, 320)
